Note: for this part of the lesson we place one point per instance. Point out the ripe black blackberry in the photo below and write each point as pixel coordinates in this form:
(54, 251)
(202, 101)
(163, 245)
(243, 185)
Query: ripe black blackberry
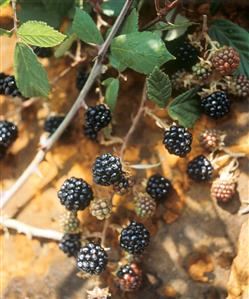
(129, 277)
(177, 140)
(200, 168)
(2, 77)
(81, 79)
(70, 244)
(92, 259)
(90, 133)
(43, 52)
(216, 104)
(52, 123)
(75, 194)
(10, 88)
(96, 118)
(186, 54)
(158, 187)
(8, 134)
(107, 170)
(134, 238)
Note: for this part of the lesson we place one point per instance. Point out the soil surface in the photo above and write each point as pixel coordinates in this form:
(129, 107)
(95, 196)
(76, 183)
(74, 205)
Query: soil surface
(194, 240)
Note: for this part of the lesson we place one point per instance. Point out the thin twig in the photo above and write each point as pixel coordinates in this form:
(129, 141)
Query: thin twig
(134, 123)
(244, 210)
(104, 231)
(29, 230)
(80, 101)
(13, 3)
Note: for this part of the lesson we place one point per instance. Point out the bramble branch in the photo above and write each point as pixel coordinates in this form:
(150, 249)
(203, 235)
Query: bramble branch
(80, 101)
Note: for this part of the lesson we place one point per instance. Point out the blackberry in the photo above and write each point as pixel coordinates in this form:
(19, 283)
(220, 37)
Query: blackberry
(225, 60)
(145, 206)
(81, 79)
(52, 123)
(202, 70)
(212, 139)
(186, 54)
(90, 133)
(70, 244)
(216, 104)
(70, 223)
(8, 134)
(124, 185)
(43, 52)
(92, 259)
(134, 238)
(177, 79)
(75, 194)
(10, 88)
(129, 277)
(222, 190)
(242, 86)
(101, 208)
(107, 170)
(177, 140)
(2, 77)
(96, 118)
(158, 187)
(200, 168)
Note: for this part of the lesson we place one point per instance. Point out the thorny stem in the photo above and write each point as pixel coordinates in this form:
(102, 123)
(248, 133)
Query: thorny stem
(29, 230)
(80, 101)
(134, 123)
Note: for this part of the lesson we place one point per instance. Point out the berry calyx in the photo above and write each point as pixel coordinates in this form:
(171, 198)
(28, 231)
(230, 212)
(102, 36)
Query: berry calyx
(101, 208)
(145, 206)
(70, 244)
(107, 170)
(216, 105)
(134, 238)
(177, 140)
(212, 139)
(200, 168)
(158, 187)
(129, 277)
(222, 190)
(92, 259)
(75, 194)
(225, 60)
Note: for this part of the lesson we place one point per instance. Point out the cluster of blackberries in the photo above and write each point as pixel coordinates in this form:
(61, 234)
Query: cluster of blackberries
(96, 118)
(8, 134)
(8, 86)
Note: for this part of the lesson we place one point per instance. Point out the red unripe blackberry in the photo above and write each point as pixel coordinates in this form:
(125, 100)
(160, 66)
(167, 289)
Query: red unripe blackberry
(242, 86)
(216, 105)
(43, 52)
(200, 168)
(70, 244)
(225, 60)
(145, 206)
(158, 187)
(124, 185)
(8, 134)
(212, 139)
(134, 238)
(107, 170)
(96, 118)
(222, 190)
(129, 277)
(10, 88)
(177, 140)
(52, 123)
(92, 259)
(75, 194)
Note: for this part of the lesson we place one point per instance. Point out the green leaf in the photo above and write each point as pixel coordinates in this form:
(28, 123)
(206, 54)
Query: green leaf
(141, 51)
(112, 8)
(31, 77)
(5, 32)
(3, 3)
(215, 5)
(65, 45)
(111, 93)
(61, 7)
(158, 87)
(131, 23)
(39, 34)
(186, 108)
(230, 34)
(38, 12)
(84, 26)
(116, 64)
